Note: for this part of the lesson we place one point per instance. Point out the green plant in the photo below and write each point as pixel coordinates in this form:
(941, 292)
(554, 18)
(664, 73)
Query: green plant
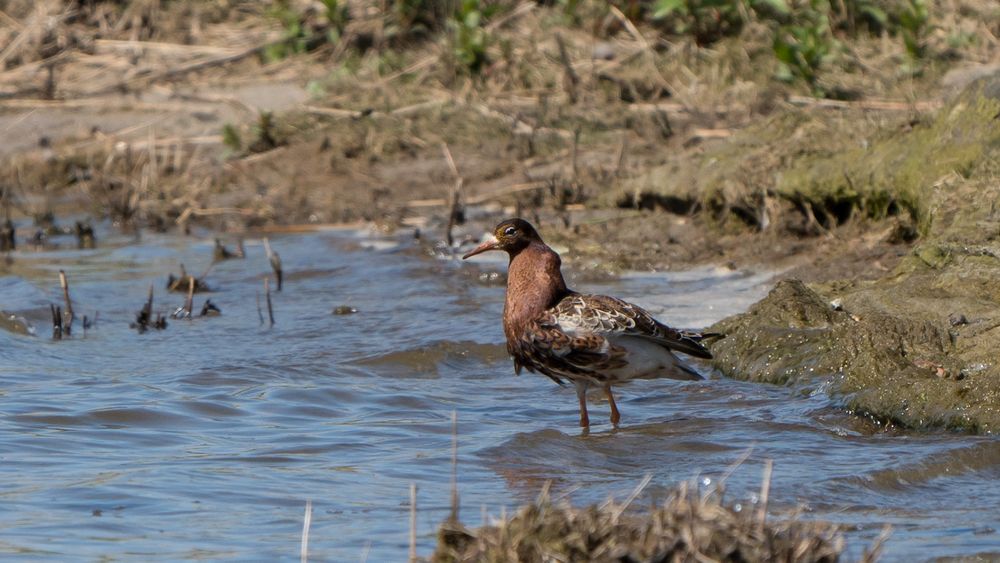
(301, 32)
(571, 10)
(231, 138)
(470, 38)
(412, 18)
(294, 40)
(850, 14)
(337, 16)
(266, 133)
(710, 20)
(802, 46)
(913, 20)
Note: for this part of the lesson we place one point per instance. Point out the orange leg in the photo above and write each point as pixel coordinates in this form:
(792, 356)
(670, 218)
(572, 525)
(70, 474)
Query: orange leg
(615, 415)
(581, 395)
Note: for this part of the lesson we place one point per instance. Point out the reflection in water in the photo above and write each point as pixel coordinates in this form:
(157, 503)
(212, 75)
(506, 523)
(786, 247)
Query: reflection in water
(206, 439)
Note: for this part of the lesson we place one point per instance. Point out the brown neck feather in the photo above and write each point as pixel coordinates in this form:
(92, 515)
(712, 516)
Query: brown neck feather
(534, 283)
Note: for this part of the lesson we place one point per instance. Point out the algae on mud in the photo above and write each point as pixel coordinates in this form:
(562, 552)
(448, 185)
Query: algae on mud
(919, 347)
(830, 167)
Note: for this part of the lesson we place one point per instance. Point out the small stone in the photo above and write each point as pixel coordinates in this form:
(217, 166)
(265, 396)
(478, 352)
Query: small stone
(957, 319)
(837, 304)
(344, 310)
(603, 52)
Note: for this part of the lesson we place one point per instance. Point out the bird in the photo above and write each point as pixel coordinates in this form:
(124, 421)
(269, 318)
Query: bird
(589, 340)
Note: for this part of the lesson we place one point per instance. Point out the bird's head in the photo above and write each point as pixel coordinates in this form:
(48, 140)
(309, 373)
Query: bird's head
(511, 236)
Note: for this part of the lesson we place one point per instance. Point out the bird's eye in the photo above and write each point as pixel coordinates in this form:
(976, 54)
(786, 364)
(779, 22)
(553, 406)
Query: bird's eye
(509, 231)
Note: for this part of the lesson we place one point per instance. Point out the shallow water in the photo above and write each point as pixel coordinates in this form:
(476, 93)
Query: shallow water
(205, 440)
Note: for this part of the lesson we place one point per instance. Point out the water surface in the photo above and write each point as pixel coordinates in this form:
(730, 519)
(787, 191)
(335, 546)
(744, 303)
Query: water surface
(205, 440)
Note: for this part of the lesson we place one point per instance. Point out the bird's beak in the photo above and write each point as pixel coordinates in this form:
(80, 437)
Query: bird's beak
(491, 244)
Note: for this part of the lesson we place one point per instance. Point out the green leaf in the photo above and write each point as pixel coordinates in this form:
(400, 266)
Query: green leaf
(877, 15)
(784, 51)
(667, 8)
(472, 19)
(778, 6)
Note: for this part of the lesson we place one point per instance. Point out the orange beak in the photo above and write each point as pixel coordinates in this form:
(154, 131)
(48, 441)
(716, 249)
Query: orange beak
(492, 244)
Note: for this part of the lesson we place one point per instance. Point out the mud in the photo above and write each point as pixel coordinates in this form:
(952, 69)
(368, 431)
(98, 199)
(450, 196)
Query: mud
(917, 347)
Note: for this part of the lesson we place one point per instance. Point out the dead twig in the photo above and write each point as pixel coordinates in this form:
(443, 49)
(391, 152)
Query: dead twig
(620, 157)
(481, 198)
(454, 466)
(275, 261)
(144, 318)
(413, 523)
(267, 296)
(456, 215)
(873, 552)
(358, 114)
(618, 511)
(67, 325)
(306, 522)
(189, 302)
(570, 79)
(765, 491)
(57, 322)
(129, 46)
(260, 313)
(195, 66)
(879, 105)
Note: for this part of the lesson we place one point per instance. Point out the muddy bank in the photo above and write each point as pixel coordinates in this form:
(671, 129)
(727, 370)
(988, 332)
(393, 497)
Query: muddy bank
(917, 347)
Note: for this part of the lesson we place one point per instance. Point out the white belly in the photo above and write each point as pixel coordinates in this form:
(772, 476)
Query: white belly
(648, 360)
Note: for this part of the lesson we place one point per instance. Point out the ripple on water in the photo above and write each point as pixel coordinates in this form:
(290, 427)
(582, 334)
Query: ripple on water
(425, 362)
(976, 462)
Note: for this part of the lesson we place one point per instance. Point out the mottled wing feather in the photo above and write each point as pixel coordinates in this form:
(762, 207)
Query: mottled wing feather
(545, 348)
(607, 317)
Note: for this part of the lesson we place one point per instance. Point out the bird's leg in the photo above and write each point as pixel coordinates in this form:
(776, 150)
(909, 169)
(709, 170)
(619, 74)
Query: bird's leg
(581, 394)
(615, 415)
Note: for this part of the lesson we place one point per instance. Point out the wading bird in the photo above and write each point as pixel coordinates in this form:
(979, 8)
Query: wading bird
(586, 339)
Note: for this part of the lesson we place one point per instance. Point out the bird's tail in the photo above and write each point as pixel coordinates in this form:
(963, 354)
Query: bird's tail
(688, 371)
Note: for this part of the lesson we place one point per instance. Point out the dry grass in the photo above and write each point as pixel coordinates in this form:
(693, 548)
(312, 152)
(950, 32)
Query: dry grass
(586, 118)
(688, 526)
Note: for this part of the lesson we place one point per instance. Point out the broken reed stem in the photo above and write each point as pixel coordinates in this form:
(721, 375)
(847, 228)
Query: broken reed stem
(576, 151)
(452, 215)
(413, 522)
(454, 467)
(68, 323)
(735, 465)
(570, 78)
(57, 326)
(267, 296)
(189, 303)
(873, 553)
(207, 271)
(631, 497)
(148, 308)
(456, 195)
(275, 261)
(620, 159)
(306, 522)
(260, 313)
(765, 491)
